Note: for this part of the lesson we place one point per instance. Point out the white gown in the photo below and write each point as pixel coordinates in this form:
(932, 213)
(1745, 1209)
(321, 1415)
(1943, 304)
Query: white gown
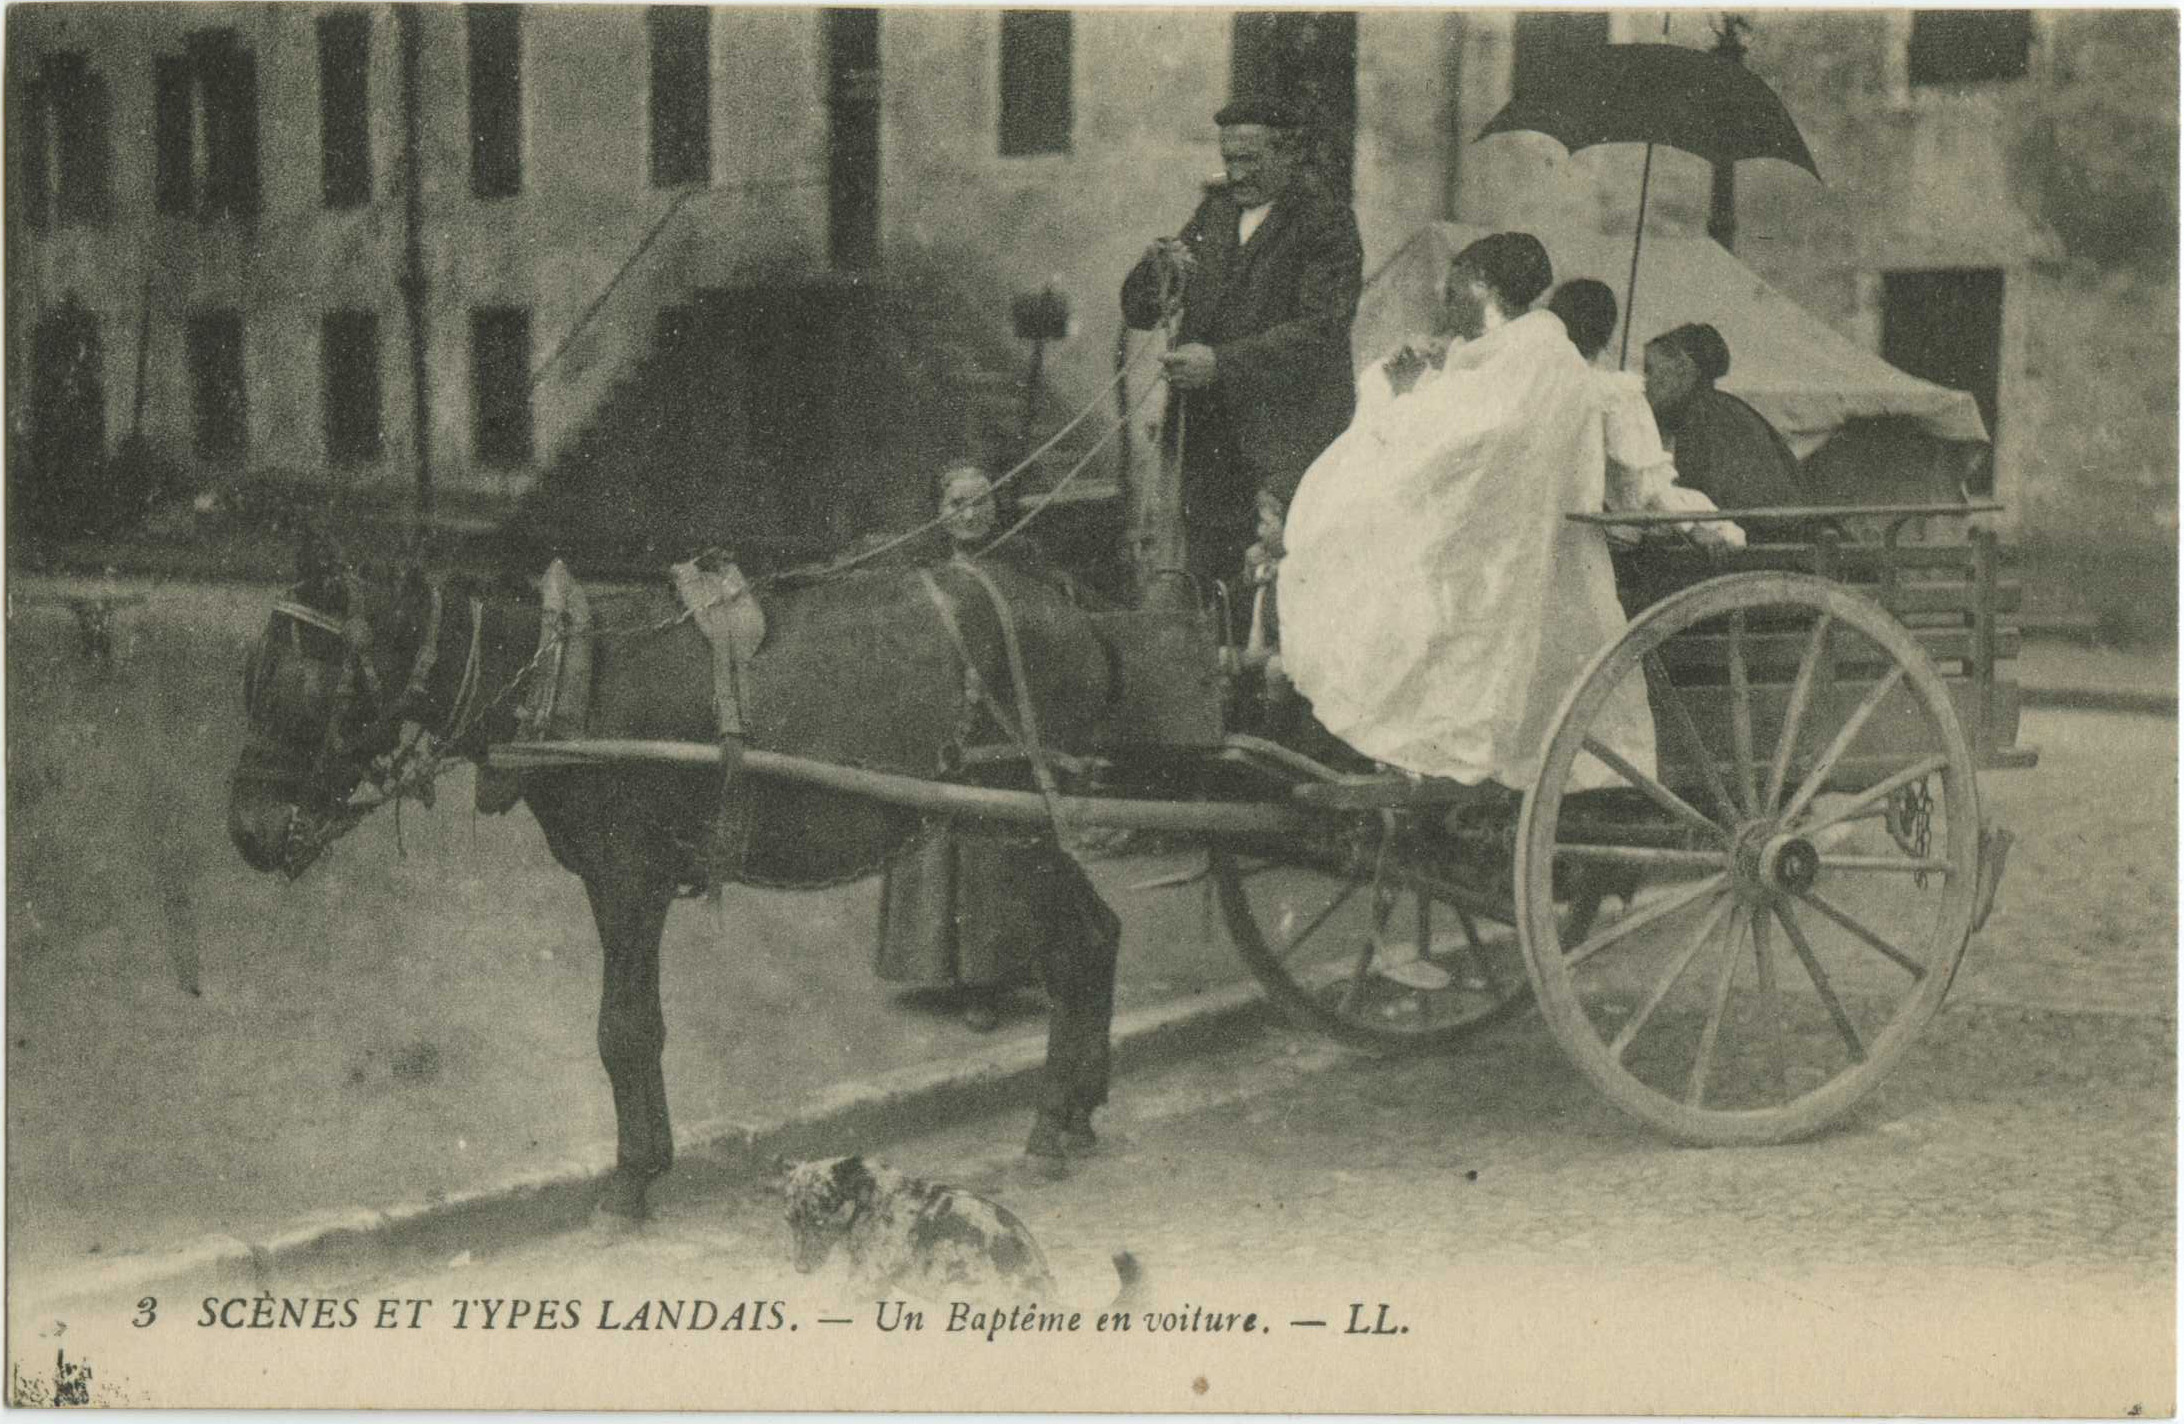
(1436, 606)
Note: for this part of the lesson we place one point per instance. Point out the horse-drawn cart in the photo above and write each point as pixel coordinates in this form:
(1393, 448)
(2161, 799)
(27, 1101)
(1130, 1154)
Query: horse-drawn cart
(1796, 879)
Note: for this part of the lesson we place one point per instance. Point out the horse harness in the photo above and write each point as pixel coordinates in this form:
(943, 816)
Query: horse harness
(360, 671)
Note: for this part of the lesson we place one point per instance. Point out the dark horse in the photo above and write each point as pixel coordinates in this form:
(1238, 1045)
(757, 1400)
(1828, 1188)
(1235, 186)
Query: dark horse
(858, 669)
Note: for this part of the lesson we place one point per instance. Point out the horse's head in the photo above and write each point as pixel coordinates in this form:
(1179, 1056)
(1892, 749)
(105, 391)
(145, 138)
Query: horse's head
(321, 709)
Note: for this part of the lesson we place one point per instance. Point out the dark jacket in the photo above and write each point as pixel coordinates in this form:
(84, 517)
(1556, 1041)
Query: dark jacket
(1728, 452)
(1277, 314)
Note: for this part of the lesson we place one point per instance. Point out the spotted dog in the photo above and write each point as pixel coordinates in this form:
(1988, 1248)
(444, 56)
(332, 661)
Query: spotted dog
(900, 1233)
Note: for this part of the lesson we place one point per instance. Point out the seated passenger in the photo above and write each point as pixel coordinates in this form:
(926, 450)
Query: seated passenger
(1436, 605)
(1723, 448)
(1641, 478)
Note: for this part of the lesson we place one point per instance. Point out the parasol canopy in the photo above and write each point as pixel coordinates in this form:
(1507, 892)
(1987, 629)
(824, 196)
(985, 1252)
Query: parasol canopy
(1658, 94)
(1704, 103)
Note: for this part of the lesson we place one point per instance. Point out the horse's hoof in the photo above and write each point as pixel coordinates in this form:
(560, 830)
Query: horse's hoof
(621, 1201)
(1076, 1136)
(605, 1227)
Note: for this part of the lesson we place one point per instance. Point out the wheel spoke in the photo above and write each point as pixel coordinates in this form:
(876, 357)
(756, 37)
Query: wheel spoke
(1819, 978)
(1870, 800)
(1686, 727)
(1354, 991)
(1704, 1062)
(1660, 909)
(1793, 720)
(1740, 711)
(1342, 897)
(1383, 904)
(1474, 953)
(1887, 950)
(1818, 776)
(1770, 1011)
(1899, 864)
(1660, 795)
(1642, 855)
(1660, 992)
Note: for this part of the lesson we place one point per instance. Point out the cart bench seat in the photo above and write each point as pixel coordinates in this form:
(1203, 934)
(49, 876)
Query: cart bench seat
(1949, 596)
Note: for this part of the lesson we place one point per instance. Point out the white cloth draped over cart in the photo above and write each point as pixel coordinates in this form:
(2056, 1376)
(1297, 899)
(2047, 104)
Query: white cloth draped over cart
(1436, 606)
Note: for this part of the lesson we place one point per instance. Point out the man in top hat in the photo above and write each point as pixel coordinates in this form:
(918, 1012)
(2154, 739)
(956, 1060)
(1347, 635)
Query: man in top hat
(1269, 269)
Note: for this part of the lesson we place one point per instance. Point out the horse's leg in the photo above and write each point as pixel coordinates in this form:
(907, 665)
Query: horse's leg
(1081, 948)
(631, 912)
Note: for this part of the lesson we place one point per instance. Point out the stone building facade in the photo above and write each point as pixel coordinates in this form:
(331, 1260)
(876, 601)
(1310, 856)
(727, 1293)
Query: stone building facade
(284, 237)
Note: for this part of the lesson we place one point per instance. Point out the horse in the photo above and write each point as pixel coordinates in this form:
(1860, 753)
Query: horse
(880, 669)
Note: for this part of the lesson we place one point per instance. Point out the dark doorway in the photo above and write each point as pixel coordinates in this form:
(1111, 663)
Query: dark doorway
(1945, 325)
(1308, 57)
(853, 137)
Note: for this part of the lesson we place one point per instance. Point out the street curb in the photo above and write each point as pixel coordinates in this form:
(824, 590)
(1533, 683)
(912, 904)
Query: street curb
(358, 1242)
(2147, 701)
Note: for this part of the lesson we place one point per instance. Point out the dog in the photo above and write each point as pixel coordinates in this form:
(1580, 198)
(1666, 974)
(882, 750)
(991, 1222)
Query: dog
(903, 1234)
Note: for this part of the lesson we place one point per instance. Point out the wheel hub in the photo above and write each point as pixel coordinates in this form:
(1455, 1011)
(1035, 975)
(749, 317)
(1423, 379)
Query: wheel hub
(1789, 865)
(1768, 862)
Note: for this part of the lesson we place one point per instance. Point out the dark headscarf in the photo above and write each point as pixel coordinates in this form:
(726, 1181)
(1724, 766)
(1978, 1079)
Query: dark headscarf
(1704, 348)
(1513, 264)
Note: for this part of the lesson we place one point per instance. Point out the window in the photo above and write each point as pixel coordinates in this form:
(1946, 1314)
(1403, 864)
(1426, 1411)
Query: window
(682, 111)
(215, 341)
(1035, 81)
(1946, 327)
(172, 102)
(500, 385)
(853, 137)
(345, 135)
(1969, 46)
(68, 151)
(1548, 39)
(205, 128)
(349, 381)
(496, 99)
(1308, 57)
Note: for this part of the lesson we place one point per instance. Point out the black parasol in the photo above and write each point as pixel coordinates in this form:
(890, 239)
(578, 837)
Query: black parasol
(1702, 103)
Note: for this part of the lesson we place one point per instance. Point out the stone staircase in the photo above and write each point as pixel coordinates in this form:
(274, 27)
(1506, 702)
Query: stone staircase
(784, 422)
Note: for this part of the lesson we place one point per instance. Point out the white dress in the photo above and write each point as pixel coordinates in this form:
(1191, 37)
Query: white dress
(1641, 474)
(1436, 605)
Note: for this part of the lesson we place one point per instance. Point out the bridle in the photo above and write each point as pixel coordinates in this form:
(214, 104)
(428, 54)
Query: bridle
(363, 723)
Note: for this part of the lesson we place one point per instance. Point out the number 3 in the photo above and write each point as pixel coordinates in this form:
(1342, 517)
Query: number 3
(147, 1311)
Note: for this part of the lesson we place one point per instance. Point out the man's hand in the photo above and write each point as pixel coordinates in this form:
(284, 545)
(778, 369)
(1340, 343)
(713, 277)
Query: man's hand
(1191, 367)
(1175, 254)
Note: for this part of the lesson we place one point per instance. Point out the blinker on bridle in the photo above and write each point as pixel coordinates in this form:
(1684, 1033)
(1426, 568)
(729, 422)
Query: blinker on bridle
(360, 674)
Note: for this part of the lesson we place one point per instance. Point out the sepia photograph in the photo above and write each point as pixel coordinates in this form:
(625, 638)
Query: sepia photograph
(1112, 709)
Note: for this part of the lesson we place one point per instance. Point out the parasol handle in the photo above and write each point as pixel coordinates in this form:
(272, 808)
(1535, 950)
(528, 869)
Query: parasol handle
(1637, 241)
(1630, 288)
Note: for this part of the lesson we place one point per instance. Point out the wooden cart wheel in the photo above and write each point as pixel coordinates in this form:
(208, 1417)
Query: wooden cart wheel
(1382, 954)
(1794, 940)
